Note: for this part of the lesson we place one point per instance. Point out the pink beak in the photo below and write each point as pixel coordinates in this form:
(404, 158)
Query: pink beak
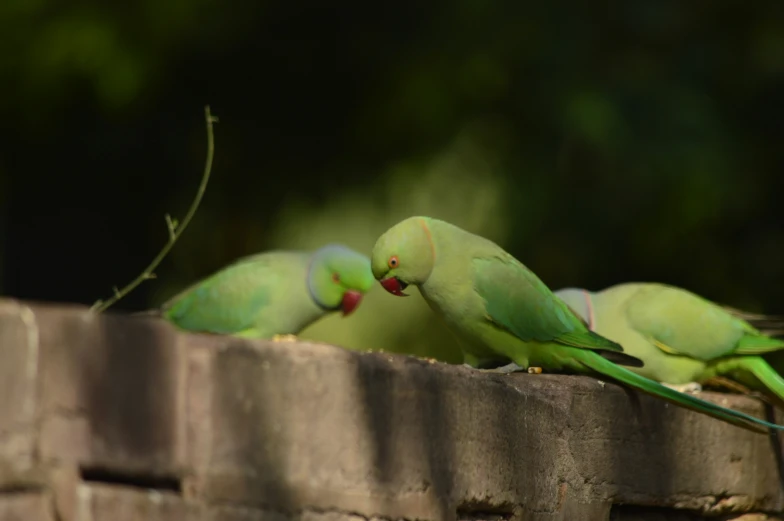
(351, 300)
(394, 286)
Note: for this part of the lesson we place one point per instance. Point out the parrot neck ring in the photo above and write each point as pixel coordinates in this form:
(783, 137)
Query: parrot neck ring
(589, 306)
(395, 286)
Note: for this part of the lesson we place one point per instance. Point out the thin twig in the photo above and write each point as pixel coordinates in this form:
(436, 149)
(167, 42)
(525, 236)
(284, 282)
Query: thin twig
(175, 229)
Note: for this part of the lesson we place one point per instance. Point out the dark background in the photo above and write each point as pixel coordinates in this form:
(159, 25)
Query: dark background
(602, 143)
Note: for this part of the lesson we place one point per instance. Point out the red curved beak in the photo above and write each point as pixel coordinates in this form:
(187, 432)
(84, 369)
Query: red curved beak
(351, 300)
(394, 286)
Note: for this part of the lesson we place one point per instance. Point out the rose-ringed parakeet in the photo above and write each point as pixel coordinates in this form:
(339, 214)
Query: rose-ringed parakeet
(501, 312)
(683, 339)
(273, 294)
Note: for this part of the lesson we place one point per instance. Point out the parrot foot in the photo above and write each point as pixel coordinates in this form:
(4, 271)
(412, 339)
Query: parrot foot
(507, 369)
(534, 370)
(284, 338)
(690, 387)
(504, 369)
(727, 384)
(721, 382)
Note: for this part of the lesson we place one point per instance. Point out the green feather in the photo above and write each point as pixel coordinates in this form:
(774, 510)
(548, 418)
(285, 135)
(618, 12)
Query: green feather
(278, 292)
(228, 301)
(757, 344)
(632, 379)
(519, 301)
(766, 374)
(680, 336)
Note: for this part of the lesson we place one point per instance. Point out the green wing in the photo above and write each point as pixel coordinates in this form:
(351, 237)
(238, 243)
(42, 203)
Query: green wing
(681, 323)
(757, 344)
(517, 300)
(229, 301)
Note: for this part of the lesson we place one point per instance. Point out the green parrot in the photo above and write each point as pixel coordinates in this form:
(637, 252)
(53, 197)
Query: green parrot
(501, 312)
(683, 339)
(273, 294)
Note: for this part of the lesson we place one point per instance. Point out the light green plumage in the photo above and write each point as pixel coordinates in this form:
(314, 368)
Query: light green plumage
(535, 316)
(272, 293)
(770, 325)
(680, 336)
(500, 311)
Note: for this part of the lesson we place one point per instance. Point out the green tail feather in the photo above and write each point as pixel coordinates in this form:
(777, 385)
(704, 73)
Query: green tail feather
(623, 375)
(757, 366)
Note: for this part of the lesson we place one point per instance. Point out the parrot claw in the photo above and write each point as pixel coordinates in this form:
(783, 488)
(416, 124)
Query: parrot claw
(534, 370)
(504, 369)
(728, 385)
(690, 387)
(284, 338)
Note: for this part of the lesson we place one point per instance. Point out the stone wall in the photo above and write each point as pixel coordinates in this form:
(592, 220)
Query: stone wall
(109, 417)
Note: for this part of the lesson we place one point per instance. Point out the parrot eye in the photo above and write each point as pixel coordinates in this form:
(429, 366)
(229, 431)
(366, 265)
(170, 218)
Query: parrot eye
(335, 278)
(393, 262)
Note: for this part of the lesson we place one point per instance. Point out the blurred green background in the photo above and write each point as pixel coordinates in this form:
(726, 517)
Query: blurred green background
(599, 143)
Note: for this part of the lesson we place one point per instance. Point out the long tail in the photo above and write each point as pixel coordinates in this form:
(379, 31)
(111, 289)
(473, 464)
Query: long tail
(771, 379)
(623, 375)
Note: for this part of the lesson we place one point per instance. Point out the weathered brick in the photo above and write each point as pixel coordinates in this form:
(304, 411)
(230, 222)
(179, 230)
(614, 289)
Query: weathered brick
(19, 355)
(668, 514)
(26, 506)
(97, 502)
(112, 391)
(98, 391)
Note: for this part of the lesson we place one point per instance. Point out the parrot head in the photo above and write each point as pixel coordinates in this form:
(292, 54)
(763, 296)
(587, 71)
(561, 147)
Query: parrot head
(339, 277)
(579, 301)
(404, 255)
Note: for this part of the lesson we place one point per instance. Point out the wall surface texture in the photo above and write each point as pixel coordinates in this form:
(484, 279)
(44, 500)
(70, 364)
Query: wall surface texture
(108, 417)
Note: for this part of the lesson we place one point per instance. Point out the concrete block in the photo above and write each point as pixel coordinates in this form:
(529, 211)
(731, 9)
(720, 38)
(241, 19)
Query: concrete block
(393, 436)
(19, 358)
(107, 415)
(111, 392)
(26, 506)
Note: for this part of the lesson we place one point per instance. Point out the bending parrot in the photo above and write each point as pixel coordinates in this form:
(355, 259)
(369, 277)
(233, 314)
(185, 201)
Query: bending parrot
(273, 294)
(500, 311)
(683, 339)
